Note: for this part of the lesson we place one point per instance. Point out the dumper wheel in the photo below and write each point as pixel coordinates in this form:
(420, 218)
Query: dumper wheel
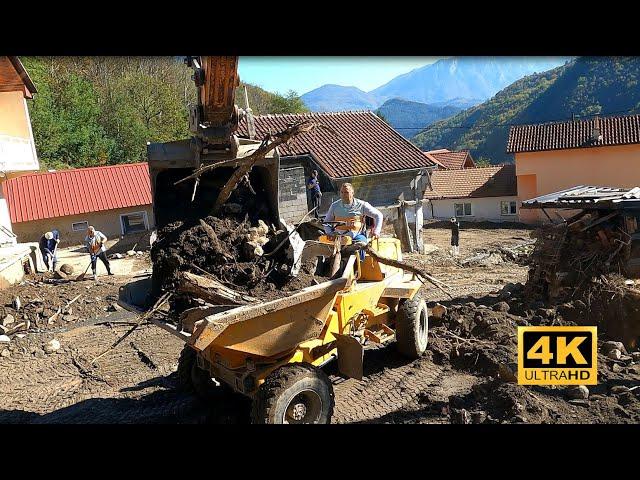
(193, 378)
(294, 393)
(412, 327)
(185, 365)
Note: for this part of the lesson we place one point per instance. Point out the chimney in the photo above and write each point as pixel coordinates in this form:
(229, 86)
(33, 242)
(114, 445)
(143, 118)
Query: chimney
(596, 136)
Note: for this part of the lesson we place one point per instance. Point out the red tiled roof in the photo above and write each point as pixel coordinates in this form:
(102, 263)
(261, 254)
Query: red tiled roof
(365, 144)
(614, 130)
(448, 159)
(80, 190)
(476, 182)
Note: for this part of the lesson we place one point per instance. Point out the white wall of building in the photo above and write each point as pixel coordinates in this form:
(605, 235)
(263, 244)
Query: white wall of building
(487, 208)
(5, 219)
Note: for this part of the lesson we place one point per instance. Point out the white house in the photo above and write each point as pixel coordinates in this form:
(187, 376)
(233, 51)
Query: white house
(473, 194)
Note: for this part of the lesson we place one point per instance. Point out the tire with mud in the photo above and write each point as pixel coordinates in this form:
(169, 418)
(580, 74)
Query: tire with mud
(412, 327)
(192, 378)
(294, 393)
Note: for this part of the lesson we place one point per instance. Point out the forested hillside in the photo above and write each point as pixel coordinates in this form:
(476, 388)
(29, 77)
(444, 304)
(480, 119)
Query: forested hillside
(103, 110)
(583, 87)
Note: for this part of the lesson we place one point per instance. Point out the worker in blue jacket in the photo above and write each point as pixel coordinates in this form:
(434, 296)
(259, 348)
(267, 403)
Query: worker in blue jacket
(48, 247)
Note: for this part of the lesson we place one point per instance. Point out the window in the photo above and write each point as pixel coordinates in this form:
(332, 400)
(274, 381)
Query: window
(508, 208)
(79, 226)
(462, 209)
(133, 222)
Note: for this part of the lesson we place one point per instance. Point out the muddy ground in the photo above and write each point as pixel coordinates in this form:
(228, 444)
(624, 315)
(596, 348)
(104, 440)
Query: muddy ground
(458, 380)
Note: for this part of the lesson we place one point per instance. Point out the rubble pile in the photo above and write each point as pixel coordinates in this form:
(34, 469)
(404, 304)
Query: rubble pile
(589, 266)
(480, 337)
(488, 257)
(239, 257)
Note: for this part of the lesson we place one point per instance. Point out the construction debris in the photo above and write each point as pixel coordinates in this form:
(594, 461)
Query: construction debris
(52, 346)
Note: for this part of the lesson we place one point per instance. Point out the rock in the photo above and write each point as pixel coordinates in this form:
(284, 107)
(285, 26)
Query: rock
(501, 307)
(615, 368)
(580, 403)
(17, 303)
(460, 416)
(536, 320)
(438, 311)
(618, 389)
(66, 268)
(52, 346)
(37, 300)
(67, 311)
(627, 398)
(636, 356)
(4, 330)
(118, 255)
(4, 339)
(8, 320)
(508, 373)
(626, 358)
(39, 353)
(578, 392)
(635, 369)
(546, 312)
(614, 354)
(69, 318)
(131, 253)
(504, 295)
(5, 353)
(114, 307)
(610, 345)
(139, 252)
(478, 417)
(520, 419)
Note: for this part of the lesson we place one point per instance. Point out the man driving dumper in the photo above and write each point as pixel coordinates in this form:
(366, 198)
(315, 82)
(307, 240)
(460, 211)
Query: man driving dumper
(352, 211)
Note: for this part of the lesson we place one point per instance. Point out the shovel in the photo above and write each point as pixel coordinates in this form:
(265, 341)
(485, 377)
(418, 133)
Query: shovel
(82, 275)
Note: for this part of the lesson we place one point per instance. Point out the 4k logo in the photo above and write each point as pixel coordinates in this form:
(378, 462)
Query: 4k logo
(557, 356)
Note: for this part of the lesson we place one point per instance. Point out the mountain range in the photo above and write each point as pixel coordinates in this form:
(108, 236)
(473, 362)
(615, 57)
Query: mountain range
(584, 87)
(473, 78)
(410, 118)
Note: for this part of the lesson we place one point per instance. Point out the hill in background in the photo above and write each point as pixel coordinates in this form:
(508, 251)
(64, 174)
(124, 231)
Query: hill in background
(585, 86)
(409, 118)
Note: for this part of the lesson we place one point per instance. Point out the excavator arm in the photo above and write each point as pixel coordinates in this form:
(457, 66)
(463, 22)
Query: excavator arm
(215, 118)
(213, 123)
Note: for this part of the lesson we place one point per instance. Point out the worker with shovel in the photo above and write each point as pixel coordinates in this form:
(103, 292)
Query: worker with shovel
(48, 247)
(95, 241)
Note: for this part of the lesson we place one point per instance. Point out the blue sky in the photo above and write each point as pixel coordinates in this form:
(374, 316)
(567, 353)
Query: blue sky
(280, 74)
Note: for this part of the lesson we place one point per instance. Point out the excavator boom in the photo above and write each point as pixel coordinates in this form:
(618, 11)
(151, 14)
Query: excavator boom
(214, 119)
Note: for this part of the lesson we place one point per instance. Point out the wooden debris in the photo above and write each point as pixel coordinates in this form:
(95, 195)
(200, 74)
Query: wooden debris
(212, 291)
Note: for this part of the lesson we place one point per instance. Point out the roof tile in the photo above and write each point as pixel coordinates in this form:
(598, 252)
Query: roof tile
(614, 130)
(499, 181)
(365, 144)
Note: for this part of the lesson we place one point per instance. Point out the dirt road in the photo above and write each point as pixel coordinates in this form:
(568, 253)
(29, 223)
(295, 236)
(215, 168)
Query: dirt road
(135, 383)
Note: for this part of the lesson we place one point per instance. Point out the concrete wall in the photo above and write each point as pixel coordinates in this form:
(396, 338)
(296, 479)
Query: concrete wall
(382, 190)
(540, 173)
(108, 222)
(487, 208)
(292, 196)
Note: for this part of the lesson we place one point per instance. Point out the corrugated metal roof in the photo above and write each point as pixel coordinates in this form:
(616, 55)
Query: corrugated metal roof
(595, 132)
(365, 144)
(588, 197)
(76, 191)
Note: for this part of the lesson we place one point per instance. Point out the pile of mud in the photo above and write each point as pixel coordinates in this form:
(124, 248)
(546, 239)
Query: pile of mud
(480, 337)
(233, 251)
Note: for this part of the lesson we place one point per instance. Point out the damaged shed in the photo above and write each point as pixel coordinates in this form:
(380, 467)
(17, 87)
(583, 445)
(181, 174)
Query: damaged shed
(591, 260)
